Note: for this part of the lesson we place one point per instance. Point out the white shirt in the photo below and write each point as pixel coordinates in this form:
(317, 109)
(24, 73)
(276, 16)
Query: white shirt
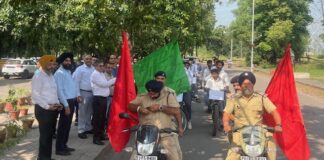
(206, 74)
(189, 75)
(213, 84)
(224, 76)
(81, 77)
(100, 85)
(44, 90)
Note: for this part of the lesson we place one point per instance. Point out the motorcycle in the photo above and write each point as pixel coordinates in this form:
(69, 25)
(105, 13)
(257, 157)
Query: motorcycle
(147, 140)
(253, 143)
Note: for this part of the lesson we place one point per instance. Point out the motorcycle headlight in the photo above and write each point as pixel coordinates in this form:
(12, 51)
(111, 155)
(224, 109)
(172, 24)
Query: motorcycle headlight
(145, 149)
(253, 151)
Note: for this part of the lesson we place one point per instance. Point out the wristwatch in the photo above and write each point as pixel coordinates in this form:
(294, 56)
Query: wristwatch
(161, 107)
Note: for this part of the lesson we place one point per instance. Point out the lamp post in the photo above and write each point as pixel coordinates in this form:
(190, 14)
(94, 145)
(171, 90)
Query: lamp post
(252, 37)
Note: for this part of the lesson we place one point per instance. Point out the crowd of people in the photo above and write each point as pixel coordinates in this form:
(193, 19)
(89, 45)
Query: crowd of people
(61, 89)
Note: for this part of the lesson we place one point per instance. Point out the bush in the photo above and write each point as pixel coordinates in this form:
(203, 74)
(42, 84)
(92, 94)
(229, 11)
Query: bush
(321, 56)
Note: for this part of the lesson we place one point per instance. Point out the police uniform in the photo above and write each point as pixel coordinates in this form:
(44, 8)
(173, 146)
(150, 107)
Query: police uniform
(249, 111)
(161, 120)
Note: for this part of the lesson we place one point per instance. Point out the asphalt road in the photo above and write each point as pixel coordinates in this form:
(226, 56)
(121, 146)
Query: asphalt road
(198, 144)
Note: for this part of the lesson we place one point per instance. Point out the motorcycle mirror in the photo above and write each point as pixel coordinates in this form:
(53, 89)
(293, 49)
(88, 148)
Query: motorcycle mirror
(124, 115)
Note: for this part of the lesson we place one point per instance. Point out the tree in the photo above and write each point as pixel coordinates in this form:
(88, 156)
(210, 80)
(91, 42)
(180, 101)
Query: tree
(276, 24)
(87, 26)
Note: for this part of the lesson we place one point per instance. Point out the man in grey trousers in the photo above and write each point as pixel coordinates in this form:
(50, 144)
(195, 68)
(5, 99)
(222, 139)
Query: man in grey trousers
(81, 77)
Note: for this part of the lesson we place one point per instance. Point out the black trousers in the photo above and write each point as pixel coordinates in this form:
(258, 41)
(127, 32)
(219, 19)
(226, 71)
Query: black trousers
(187, 98)
(64, 126)
(47, 121)
(99, 106)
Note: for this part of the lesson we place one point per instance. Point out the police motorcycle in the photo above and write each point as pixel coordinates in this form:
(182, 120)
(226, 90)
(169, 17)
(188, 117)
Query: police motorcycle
(147, 140)
(253, 143)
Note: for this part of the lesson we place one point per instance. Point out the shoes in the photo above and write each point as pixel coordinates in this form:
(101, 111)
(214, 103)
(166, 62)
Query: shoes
(88, 132)
(82, 135)
(98, 142)
(104, 138)
(189, 125)
(63, 153)
(69, 149)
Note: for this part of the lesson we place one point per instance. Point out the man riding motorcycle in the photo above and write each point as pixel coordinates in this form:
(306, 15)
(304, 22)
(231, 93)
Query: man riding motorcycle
(158, 107)
(247, 108)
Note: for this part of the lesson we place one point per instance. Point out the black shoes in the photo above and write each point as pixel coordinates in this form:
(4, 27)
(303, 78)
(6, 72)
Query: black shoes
(63, 153)
(88, 132)
(69, 149)
(82, 136)
(98, 142)
(104, 138)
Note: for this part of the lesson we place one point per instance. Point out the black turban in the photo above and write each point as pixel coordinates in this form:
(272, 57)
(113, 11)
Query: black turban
(235, 79)
(154, 86)
(64, 56)
(160, 73)
(246, 75)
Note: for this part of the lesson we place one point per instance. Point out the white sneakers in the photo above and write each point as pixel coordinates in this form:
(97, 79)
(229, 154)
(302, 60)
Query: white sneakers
(189, 125)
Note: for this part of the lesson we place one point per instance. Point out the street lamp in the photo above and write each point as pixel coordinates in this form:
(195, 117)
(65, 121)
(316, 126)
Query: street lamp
(252, 37)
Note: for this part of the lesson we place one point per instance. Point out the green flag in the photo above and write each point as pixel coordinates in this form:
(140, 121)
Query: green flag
(167, 59)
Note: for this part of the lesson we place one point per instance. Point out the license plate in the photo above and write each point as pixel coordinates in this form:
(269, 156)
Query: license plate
(146, 157)
(252, 158)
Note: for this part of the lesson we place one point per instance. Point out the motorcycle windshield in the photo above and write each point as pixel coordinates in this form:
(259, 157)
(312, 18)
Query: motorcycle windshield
(252, 135)
(147, 134)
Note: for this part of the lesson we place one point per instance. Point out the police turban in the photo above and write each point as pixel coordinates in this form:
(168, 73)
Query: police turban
(64, 56)
(44, 60)
(160, 73)
(154, 86)
(247, 75)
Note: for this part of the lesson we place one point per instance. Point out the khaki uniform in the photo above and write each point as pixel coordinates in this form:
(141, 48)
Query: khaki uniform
(162, 120)
(249, 112)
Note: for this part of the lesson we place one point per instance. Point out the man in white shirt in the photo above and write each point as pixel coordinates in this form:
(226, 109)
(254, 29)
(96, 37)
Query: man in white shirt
(81, 77)
(109, 76)
(214, 83)
(44, 96)
(187, 96)
(100, 87)
(222, 74)
(194, 69)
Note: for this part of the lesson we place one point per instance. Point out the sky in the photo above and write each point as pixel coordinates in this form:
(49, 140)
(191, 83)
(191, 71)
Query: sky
(225, 16)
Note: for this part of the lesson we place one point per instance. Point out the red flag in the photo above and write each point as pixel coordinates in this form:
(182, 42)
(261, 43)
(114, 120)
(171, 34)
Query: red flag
(124, 92)
(282, 92)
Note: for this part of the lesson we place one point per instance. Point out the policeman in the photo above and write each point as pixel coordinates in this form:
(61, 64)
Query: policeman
(157, 107)
(247, 108)
(161, 77)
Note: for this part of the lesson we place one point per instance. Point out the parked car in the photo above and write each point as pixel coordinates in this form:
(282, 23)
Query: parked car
(24, 68)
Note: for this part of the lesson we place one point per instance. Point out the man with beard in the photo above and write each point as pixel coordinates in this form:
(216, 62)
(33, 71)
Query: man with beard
(158, 107)
(67, 94)
(44, 96)
(246, 108)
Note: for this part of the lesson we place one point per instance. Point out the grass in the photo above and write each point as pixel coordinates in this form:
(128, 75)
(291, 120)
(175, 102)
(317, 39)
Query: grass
(316, 70)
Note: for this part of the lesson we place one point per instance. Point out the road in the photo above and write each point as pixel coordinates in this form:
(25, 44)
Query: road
(198, 144)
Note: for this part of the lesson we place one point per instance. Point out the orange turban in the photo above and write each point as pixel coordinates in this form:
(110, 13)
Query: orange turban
(44, 60)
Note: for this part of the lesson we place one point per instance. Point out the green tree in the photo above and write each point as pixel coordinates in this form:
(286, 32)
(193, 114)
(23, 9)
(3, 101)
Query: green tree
(277, 23)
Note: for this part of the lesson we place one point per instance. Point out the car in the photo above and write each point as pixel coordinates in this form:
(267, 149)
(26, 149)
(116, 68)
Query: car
(24, 68)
